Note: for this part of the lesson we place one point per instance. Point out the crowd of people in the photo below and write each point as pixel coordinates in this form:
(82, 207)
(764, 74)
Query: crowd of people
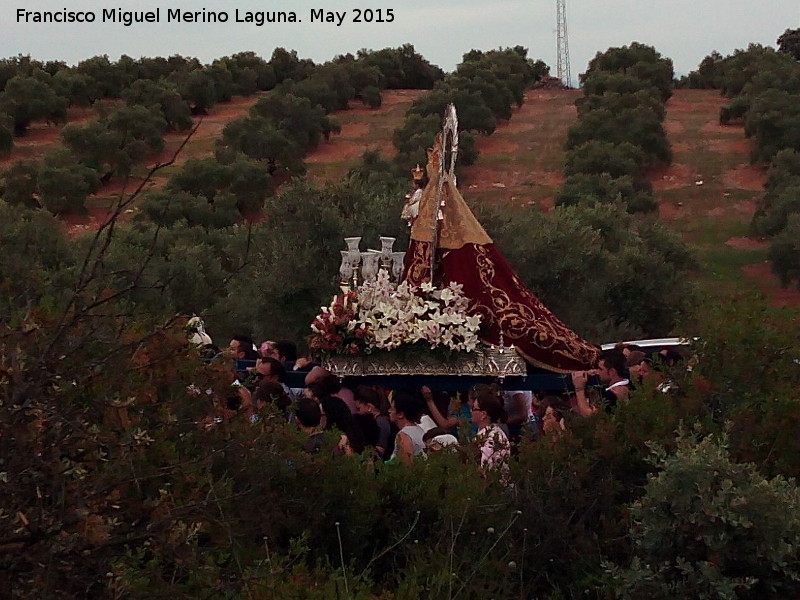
(403, 425)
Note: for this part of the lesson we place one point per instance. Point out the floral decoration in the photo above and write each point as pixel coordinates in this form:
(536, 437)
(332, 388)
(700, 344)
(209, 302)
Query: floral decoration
(337, 328)
(380, 315)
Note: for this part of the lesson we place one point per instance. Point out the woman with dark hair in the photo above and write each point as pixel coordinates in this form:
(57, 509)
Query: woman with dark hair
(493, 446)
(551, 417)
(271, 392)
(405, 412)
(369, 410)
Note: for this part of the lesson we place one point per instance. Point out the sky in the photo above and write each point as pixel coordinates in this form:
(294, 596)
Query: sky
(441, 30)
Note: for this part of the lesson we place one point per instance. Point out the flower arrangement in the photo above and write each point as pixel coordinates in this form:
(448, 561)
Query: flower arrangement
(383, 316)
(337, 328)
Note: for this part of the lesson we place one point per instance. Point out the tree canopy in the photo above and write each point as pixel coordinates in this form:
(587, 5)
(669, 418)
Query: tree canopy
(115, 142)
(28, 99)
(638, 60)
(789, 43)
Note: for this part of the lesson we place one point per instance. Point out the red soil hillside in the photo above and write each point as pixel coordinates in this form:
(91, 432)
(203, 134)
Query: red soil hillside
(708, 194)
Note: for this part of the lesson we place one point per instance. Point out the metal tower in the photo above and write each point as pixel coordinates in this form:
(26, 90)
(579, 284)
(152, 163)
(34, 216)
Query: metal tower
(563, 44)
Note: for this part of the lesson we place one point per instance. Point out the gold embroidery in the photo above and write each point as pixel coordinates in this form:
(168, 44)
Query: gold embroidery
(419, 269)
(519, 321)
(526, 323)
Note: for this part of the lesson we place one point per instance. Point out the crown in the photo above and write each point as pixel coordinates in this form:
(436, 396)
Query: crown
(417, 173)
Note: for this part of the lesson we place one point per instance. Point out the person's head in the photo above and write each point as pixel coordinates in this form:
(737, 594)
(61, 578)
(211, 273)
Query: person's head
(628, 348)
(338, 415)
(638, 363)
(327, 385)
(287, 350)
(477, 389)
(670, 357)
(270, 369)
(336, 412)
(267, 350)
(315, 374)
(406, 408)
(271, 392)
(551, 415)
(645, 369)
(308, 413)
(368, 401)
(418, 177)
(241, 348)
(486, 408)
(611, 366)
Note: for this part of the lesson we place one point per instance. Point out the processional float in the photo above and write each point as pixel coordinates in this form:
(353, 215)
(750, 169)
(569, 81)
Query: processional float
(452, 281)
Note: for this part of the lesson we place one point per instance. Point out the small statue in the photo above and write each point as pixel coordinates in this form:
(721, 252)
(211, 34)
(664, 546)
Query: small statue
(411, 206)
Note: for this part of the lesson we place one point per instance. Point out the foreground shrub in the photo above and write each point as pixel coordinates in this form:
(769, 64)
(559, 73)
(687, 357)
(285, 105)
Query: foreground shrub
(710, 528)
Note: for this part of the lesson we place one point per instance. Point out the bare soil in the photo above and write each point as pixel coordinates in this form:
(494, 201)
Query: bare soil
(747, 177)
(769, 283)
(671, 212)
(521, 163)
(91, 221)
(349, 143)
(721, 153)
(672, 177)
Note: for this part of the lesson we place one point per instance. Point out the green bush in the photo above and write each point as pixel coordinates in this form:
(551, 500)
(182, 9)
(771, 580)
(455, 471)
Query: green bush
(617, 102)
(599, 251)
(604, 189)
(474, 113)
(38, 271)
(6, 134)
(297, 117)
(735, 111)
(784, 252)
(789, 43)
(119, 139)
(371, 96)
(601, 83)
(162, 97)
(638, 126)
(745, 358)
(597, 157)
(739, 68)
(20, 183)
(707, 75)
(402, 68)
(637, 60)
(775, 210)
(63, 184)
(710, 528)
(779, 201)
(318, 92)
(773, 122)
(27, 99)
